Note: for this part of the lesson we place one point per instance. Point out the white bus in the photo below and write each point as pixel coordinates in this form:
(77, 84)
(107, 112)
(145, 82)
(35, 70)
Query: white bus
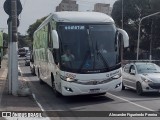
(67, 53)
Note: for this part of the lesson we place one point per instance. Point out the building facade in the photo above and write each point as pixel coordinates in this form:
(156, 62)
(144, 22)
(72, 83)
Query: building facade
(103, 8)
(67, 5)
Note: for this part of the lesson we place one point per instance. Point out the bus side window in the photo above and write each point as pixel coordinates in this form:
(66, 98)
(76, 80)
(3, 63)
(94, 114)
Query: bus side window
(50, 41)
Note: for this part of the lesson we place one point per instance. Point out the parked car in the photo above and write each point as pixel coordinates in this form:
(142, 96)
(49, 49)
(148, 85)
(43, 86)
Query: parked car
(27, 59)
(142, 77)
(21, 52)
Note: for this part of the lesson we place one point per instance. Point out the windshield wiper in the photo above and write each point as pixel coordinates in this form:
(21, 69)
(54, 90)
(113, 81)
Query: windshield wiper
(104, 60)
(84, 61)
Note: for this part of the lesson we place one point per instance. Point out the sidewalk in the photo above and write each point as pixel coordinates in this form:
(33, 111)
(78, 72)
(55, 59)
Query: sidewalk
(3, 78)
(14, 103)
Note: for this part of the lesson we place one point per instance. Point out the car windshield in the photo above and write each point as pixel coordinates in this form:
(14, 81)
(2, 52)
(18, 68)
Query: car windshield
(92, 48)
(147, 68)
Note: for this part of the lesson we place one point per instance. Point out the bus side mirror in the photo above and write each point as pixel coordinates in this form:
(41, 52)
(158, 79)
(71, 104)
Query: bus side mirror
(55, 39)
(125, 37)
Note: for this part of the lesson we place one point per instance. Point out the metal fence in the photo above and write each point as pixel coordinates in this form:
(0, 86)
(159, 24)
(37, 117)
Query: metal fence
(157, 62)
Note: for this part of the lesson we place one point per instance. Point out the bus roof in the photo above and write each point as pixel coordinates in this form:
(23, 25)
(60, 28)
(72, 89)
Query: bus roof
(81, 17)
(77, 17)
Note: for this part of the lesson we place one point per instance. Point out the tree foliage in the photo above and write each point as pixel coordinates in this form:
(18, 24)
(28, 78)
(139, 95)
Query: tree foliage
(5, 39)
(33, 27)
(134, 10)
(23, 41)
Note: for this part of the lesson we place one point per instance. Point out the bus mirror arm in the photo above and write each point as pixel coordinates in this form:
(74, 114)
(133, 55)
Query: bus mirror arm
(125, 37)
(55, 39)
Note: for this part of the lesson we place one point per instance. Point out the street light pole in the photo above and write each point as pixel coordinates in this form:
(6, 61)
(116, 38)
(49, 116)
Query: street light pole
(139, 32)
(150, 51)
(13, 64)
(121, 41)
(122, 14)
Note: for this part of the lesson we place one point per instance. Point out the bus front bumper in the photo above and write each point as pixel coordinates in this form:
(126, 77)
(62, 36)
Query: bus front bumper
(71, 88)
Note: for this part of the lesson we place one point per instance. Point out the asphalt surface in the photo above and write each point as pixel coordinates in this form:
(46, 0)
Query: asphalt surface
(126, 100)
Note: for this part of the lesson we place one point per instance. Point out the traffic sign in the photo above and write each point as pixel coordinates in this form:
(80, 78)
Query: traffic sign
(7, 7)
(9, 19)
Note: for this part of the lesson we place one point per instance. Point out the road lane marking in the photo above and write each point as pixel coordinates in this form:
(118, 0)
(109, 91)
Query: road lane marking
(37, 102)
(34, 97)
(130, 102)
(19, 70)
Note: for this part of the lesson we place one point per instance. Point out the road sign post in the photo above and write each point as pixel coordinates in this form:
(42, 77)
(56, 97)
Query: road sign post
(13, 8)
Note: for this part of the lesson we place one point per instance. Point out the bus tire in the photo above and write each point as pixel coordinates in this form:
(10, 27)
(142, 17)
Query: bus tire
(40, 80)
(57, 94)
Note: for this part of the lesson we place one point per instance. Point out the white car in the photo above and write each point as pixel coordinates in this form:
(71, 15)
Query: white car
(142, 77)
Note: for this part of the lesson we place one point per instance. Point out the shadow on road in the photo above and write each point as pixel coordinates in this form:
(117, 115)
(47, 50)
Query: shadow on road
(45, 91)
(132, 93)
(27, 75)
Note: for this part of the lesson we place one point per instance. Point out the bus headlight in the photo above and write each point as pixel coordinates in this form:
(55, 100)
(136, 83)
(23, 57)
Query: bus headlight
(117, 76)
(70, 79)
(67, 79)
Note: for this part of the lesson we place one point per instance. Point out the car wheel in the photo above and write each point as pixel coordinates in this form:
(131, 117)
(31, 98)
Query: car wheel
(123, 87)
(139, 88)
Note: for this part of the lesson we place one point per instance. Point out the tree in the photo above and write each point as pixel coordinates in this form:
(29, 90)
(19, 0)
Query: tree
(156, 23)
(155, 5)
(33, 27)
(134, 10)
(5, 39)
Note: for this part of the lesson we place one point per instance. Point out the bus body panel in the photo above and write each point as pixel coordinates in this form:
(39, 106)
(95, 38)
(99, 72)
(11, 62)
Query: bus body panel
(45, 66)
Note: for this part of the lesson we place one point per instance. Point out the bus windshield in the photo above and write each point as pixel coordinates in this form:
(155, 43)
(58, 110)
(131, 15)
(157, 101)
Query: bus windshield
(89, 48)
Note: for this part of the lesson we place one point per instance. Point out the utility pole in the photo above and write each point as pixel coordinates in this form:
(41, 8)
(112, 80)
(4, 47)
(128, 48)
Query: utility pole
(122, 28)
(150, 49)
(139, 32)
(13, 8)
(122, 13)
(13, 49)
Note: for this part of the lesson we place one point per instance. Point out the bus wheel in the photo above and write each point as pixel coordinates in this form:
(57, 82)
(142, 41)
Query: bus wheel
(40, 80)
(33, 71)
(57, 94)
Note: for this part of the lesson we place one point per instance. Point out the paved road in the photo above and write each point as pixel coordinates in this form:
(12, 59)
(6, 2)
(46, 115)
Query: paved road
(126, 100)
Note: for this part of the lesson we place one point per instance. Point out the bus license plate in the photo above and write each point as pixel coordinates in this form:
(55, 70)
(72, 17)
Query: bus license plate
(95, 90)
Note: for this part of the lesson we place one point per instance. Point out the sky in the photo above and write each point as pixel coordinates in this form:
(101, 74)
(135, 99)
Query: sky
(36, 9)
